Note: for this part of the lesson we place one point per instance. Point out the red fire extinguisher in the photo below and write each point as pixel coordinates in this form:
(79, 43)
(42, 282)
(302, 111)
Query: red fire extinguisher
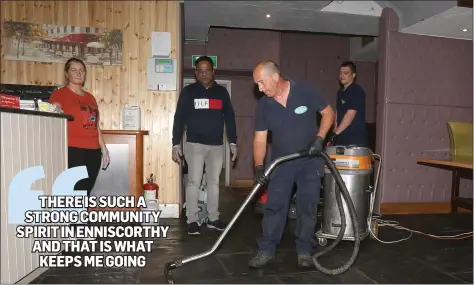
(150, 189)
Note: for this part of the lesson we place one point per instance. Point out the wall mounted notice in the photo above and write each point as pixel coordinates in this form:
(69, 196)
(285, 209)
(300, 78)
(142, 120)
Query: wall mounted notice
(161, 74)
(160, 44)
(131, 117)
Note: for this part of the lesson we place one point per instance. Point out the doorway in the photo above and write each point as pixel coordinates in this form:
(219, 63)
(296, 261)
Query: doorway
(224, 179)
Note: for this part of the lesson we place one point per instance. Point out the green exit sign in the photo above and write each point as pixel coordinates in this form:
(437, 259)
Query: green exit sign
(213, 58)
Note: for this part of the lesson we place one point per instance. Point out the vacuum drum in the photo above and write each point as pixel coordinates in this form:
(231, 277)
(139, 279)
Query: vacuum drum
(355, 167)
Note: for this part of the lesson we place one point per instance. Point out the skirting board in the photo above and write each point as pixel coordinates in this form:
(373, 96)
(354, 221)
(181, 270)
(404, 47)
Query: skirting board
(418, 208)
(32, 275)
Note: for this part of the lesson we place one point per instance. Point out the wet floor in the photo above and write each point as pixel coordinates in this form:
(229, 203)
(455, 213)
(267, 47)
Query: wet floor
(420, 259)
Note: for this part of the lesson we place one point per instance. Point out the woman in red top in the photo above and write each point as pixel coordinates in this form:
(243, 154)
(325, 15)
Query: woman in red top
(86, 146)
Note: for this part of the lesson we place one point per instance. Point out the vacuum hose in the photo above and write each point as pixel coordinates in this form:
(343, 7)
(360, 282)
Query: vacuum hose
(340, 189)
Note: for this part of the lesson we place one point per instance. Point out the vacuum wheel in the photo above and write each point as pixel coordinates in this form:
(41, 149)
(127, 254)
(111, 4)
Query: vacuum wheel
(292, 212)
(374, 228)
(322, 241)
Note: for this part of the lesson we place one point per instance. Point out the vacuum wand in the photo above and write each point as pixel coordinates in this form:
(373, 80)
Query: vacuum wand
(178, 263)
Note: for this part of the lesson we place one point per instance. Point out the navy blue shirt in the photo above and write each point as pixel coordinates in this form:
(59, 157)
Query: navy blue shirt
(204, 112)
(294, 127)
(353, 98)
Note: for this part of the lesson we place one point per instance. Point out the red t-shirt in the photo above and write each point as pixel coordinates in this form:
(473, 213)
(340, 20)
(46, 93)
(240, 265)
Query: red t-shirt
(82, 131)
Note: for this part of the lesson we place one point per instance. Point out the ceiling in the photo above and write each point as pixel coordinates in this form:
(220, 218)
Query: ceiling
(352, 18)
(284, 15)
(453, 23)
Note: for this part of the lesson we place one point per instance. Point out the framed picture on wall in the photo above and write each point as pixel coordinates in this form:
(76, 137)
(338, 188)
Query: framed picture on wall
(57, 43)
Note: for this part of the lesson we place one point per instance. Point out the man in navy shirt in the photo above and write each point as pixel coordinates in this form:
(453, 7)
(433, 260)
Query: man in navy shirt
(204, 107)
(289, 110)
(349, 126)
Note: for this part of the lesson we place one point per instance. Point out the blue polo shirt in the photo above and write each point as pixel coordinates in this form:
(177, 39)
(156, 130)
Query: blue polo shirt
(353, 98)
(294, 127)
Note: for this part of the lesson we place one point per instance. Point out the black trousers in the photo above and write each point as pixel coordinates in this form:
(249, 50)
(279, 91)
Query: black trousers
(91, 159)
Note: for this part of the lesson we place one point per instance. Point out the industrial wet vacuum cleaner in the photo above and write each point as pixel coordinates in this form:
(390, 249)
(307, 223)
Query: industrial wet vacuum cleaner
(355, 165)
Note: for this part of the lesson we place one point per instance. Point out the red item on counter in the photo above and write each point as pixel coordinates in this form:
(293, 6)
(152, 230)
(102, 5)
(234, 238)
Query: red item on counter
(9, 101)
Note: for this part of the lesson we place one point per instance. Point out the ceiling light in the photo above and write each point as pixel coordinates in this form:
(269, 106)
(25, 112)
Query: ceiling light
(464, 30)
(268, 16)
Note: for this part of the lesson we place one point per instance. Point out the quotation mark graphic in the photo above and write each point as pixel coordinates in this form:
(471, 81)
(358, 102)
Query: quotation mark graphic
(22, 198)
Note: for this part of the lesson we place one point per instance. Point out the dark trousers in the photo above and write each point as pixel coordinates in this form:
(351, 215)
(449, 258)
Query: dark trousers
(306, 172)
(91, 159)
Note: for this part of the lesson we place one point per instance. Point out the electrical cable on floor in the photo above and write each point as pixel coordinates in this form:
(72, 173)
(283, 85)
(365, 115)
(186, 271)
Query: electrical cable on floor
(373, 220)
(395, 224)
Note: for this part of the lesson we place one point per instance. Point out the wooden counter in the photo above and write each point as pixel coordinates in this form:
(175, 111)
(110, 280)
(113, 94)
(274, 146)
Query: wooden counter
(27, 139)
(124, 176)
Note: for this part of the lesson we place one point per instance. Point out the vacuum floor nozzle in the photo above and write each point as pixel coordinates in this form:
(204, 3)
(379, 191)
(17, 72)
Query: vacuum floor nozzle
(168, 271)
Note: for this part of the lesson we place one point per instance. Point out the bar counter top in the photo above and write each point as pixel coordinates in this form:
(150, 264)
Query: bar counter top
(35, 113)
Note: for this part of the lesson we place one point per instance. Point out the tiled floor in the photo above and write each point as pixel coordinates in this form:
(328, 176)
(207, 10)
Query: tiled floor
(420, 259)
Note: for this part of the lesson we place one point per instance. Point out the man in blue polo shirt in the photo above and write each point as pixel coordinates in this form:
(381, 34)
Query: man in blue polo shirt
(289, 110)
(349, 126)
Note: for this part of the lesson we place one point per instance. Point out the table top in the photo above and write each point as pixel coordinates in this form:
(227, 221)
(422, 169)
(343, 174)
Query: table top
(445, 162)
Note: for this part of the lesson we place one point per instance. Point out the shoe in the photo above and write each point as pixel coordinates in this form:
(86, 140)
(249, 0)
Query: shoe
(194, 229)
(260, 260)
(305, 260)
(217, 225)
